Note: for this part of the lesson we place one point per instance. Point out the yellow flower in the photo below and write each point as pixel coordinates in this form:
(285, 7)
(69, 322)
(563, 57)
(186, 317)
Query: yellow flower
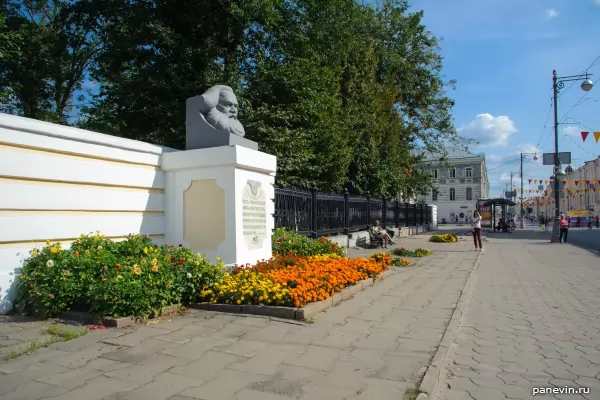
(144, 262)
(136, 270)
(155, 268)
(239, 302)
(197, 263)
(34, 253)
(154, 261)
(53, 250)
(119, 277)
(47, 243)
(145, 250)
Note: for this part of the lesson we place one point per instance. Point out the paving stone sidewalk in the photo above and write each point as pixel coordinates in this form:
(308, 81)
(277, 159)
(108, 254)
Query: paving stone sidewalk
(532, 321)
(373, 346)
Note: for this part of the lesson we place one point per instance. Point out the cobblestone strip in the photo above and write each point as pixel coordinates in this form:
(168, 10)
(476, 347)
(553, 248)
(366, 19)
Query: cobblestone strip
(437, 366)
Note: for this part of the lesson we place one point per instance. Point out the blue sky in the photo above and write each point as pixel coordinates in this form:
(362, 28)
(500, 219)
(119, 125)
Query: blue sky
(502, 53)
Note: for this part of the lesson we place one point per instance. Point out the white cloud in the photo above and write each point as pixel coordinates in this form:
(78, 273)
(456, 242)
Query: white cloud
(493, 159)
(571, 130)
(489, 130)
(551, 13)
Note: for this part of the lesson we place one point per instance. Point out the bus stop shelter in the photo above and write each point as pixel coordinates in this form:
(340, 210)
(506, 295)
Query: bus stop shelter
(501, 203)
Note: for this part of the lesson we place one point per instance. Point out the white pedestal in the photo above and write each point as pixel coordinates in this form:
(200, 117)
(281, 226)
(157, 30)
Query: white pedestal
(219, 201)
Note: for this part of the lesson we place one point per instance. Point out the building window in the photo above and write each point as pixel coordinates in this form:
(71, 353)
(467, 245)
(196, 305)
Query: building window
(452, 172)
(434, 194)
(434, 174)
(469, 193)
(452, 194)
(469, 172)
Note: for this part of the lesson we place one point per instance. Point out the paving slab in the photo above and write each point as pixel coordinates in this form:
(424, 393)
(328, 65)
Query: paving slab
(531, 321)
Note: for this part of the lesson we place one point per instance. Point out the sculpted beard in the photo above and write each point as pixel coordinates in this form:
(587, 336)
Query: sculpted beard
(224, 122)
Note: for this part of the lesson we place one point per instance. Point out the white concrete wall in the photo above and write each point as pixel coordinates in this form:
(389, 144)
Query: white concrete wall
(58, 182)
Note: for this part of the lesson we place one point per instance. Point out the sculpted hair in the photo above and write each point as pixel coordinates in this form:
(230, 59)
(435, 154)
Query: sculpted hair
(210, 98)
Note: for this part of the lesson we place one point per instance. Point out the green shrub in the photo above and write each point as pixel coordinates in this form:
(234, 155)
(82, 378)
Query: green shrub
(130, 278)
(289, 242)
(410, 253)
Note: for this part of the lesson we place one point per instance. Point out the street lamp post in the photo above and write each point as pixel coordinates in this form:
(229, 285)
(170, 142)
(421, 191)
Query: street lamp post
(535, 158)
(557, 84)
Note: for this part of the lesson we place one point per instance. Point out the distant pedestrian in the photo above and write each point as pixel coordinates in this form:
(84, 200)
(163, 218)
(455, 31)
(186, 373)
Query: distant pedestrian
(564, 229)
(598, 221)
(476, 229)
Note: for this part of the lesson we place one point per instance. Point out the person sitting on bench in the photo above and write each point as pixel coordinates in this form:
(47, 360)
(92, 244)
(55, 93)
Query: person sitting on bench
(381, 233)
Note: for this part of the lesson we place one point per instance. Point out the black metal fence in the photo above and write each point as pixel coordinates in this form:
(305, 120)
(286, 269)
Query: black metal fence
(314, 214)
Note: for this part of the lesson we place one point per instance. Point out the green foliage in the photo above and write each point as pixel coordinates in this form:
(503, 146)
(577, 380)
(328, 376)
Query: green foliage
(402, 252)
(129, 278)
(290, 243)
(57, 45)
(342, 92)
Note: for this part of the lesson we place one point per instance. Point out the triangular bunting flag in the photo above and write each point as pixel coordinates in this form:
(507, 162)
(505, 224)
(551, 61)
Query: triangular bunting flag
(546, 182)
(576, 182)
(587, 182)
(529, 181)
(564, 182)
(535, 181)
(584, 135)
(597, 136)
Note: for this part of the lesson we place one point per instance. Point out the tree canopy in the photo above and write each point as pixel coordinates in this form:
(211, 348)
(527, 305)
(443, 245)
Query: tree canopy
(340, 91)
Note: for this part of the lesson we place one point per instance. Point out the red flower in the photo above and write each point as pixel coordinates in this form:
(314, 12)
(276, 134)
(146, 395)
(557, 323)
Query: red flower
(51, 295)
(173, 259)
(180, 245)
(181, 261)
(118, 266)
(172, 246)
(76, 254)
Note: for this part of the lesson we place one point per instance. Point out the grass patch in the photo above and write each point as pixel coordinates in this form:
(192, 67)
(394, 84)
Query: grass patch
(308, 321)
(412, 394)
(58, 334)
(65, 333)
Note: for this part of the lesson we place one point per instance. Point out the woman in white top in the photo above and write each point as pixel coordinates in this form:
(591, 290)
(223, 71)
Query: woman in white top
(476, 229)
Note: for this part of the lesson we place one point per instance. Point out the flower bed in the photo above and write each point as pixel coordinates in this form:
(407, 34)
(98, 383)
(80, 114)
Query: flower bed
(136, 278)
(129, 278)
(446, 238)
(402, 252)
(400, 262)
(294, 281)
(289, 242)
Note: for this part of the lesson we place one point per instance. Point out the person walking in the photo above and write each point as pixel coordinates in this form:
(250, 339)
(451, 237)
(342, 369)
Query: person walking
(598, 221)
(476, 229)
(564, 229)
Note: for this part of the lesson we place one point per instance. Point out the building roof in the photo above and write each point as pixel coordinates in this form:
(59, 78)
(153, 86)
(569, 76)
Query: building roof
(453, 154)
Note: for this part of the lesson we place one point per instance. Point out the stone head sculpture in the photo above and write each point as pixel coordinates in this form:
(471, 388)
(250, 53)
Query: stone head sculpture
(219, 107)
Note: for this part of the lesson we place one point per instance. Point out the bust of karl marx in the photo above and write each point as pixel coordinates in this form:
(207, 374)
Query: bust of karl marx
(219, 108)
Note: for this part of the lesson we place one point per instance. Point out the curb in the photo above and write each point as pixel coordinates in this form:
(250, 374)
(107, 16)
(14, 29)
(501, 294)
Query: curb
(584, 248)
(308, 311)
(436, 367)
(87, 318)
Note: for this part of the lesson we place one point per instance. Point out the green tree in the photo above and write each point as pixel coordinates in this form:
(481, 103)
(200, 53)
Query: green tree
(57, 50)
(342, 93)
